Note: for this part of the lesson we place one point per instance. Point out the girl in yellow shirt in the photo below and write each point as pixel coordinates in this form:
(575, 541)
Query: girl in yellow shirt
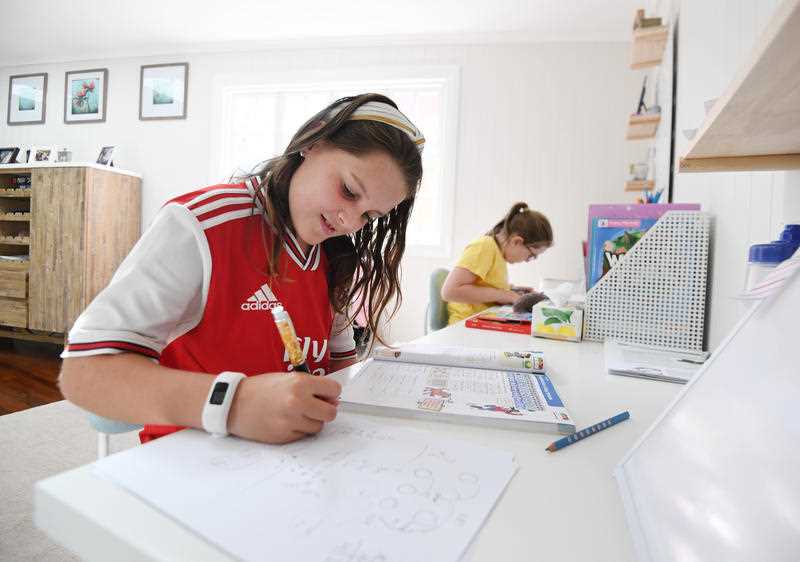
(480, 278)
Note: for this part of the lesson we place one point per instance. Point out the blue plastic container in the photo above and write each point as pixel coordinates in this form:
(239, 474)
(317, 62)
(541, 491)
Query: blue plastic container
(763, 258)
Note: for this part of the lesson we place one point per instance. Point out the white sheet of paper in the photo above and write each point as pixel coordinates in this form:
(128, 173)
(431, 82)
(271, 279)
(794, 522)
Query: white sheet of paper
(358, 491)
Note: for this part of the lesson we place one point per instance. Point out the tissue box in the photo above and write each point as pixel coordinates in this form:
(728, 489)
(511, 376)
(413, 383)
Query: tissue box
(557, 322)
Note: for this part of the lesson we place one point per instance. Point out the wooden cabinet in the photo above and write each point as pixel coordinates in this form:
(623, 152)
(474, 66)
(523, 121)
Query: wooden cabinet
(64, 229)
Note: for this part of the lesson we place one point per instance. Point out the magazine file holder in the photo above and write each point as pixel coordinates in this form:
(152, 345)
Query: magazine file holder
(656, 294)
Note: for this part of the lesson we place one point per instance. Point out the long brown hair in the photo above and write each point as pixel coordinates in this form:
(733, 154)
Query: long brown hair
(532, 226)
(366, 264)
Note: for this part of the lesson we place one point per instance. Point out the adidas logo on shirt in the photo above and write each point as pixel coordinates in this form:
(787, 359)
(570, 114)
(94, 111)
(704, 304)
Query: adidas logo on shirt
(262, 299)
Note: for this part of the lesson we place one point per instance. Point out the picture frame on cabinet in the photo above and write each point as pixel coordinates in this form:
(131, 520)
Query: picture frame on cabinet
(23, 154)
(106, 156)
(27, 99)
(8, 155)
(41, 154)
(85, 96)
(163, 90)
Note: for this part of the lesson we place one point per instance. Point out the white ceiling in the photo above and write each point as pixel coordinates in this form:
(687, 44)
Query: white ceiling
(47, 31)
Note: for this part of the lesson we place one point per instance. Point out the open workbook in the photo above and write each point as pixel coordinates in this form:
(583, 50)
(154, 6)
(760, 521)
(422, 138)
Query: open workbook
(478, 386)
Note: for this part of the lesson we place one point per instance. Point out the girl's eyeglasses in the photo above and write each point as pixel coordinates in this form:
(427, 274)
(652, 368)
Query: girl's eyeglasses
(531, 253)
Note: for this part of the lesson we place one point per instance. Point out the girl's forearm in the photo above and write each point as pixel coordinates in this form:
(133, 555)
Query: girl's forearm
(473, 294)
(132, 388)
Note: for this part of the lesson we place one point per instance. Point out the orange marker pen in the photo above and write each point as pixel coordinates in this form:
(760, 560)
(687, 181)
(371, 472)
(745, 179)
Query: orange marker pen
(289, 337)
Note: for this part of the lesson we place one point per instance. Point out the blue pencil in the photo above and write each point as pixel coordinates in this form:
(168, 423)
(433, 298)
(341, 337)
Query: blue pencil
(583, 433)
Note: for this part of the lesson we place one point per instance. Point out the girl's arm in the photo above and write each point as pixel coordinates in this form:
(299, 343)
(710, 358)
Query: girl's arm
(273, 408)
(460, 286)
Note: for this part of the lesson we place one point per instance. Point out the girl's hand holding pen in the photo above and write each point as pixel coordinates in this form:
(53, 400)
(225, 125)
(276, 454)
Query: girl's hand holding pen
(283, 407)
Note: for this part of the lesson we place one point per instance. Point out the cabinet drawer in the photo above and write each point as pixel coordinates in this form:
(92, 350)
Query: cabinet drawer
(14, 284)
(14, 312)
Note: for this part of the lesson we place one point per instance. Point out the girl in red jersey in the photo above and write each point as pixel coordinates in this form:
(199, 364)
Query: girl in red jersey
(183, 335)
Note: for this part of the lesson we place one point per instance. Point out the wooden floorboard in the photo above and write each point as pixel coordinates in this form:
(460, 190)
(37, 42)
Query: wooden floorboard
(28, 375)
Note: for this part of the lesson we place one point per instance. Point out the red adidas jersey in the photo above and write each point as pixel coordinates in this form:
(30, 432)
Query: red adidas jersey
(195, 295)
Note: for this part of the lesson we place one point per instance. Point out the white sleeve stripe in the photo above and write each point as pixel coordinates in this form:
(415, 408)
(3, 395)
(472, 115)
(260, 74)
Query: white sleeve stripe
(99, 351)
(225, 217)
(214, 193)
(202, 209)
(123, 337)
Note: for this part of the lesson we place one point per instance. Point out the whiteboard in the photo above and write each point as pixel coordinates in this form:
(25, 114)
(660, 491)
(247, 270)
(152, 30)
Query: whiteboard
(717, 476)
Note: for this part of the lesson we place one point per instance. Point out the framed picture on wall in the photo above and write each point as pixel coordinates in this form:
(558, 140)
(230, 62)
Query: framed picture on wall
(162, 91)
(85, 96)
(27, 99)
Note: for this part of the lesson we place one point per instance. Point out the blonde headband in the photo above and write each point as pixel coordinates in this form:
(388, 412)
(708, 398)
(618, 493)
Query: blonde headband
(385, 113)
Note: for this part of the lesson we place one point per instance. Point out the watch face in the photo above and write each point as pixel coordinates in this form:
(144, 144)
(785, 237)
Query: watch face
(218, 396)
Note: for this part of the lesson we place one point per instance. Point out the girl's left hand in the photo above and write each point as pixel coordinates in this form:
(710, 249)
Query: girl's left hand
(508, 297)
(521, 290)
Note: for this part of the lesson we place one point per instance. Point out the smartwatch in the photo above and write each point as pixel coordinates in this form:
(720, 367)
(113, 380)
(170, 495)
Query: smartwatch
(218, 403)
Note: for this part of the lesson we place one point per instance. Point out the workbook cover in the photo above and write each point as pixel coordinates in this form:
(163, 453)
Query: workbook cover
(615, 229)
(611, 239)
(487, 388)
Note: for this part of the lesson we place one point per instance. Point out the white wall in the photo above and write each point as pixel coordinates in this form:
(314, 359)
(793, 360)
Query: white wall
(543, 123)
(715, 39)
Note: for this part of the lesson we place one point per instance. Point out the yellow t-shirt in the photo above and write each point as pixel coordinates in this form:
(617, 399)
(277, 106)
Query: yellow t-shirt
(483, 258)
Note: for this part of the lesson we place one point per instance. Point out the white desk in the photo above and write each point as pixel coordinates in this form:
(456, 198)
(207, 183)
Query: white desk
(560, 506)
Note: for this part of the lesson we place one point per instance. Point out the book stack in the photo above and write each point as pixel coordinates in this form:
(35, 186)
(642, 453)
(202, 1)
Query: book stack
(501, 318)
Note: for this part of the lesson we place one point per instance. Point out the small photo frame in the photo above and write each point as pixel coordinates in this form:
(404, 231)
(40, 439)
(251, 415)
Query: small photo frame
(40, 154)
(27, 99)
(8, 155)
(22, 155)
(162, 91)
(85, 96)
(106, 156)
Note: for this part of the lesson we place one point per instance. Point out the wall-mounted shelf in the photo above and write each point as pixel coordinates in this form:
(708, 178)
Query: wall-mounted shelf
(642, 126)
(648, 46)
(755, 125)
(640, 185)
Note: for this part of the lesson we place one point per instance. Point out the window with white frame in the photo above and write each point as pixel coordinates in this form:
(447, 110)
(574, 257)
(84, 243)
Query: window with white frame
(259, 117)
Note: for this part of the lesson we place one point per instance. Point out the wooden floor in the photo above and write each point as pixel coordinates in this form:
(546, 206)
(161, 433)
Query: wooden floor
(28, 375)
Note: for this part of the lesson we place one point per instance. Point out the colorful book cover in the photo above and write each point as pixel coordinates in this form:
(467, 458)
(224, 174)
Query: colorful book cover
(611, 240)
(621, 227)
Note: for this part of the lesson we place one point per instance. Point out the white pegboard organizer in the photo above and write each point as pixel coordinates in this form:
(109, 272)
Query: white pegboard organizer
(656, 294)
